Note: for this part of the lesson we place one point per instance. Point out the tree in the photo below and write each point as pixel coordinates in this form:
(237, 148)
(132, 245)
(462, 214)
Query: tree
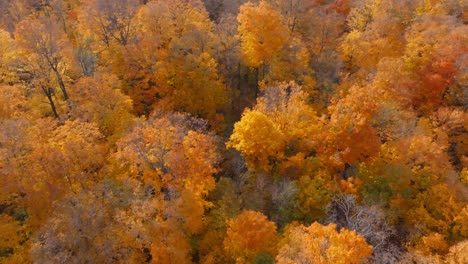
(322, 244)
(350, 123)
(42, 163)
(145, 62)
(48, 53)
(429, 63)
(58, 164)
(457, 253)
(436, 209)
(43, 38)
(85, 58)
(263, 33)
(376, 29)
(227, 205)
(368, 221)
(248, 235)
(13, 242)
(14, 146)
(293, 11)
(12, 102)
(258, 138)
(197, 87)
(8, 54)
(316, 189)
(177, 69)
(229, 60)
(113, 221)
(175, 155)
(281, 128)
(107, 28)
(448, 7)
(98, 99)
(13, 13)
(450, 121)
(111, 21)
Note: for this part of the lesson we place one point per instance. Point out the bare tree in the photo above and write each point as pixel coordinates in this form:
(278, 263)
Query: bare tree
(43, 38)
(370, 222)
(112, 20)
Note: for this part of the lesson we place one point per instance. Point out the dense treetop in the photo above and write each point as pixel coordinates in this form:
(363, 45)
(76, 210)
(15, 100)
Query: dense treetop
(233, 131)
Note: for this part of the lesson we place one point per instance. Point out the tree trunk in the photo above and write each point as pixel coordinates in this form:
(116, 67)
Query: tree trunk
(48, 93)
(61, 84)
(257, 79)
(64, 91)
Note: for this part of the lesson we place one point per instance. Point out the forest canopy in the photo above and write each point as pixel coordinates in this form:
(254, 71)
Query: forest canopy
(233, 131)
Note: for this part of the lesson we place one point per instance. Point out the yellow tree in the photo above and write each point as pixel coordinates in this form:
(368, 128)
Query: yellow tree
(109, 27)
(7, 57)
(263, 33)
(447, 7)
(258, 138)
(60, 163)
(458, 253)
(44, 39)
(145, 64)
(14, 147)
(40, 164)
(47, 54)
(98, 99)
(438, 210)
(375, 32)
(12, 102)
(248, 235)
(173, 65)
(197, 87)
(13, 242)
(175, 155)
(281, 128)
(321, 244)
